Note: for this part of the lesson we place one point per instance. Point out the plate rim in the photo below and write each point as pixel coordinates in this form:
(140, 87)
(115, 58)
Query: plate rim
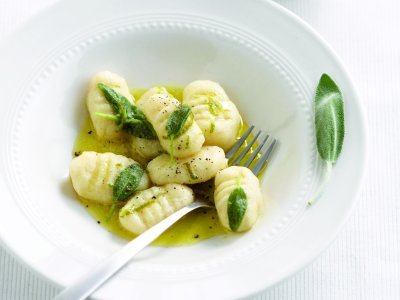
(15, 253)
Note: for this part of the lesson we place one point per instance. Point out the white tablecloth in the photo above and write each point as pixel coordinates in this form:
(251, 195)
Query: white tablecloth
(364, 261)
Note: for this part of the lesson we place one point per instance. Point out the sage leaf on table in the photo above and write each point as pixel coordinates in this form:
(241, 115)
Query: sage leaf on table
(129, 117)
(329, 127)
(237, 206)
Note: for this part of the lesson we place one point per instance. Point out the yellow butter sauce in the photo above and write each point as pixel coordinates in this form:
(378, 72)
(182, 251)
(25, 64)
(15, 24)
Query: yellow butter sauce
(199, 225)
(87, 140)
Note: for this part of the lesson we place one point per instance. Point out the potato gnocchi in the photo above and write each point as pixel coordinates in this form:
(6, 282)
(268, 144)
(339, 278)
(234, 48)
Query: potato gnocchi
(237, 198)
(93, 175)
(96, 103)
(151, 206)
(148, 149)
(216, 115)
(177, 144)
(195, 169)
(160, 108)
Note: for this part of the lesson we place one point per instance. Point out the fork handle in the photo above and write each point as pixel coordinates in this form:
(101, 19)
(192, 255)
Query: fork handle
(85, 286)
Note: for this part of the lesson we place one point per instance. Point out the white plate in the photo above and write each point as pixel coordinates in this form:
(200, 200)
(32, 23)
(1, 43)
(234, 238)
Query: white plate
(269, 62)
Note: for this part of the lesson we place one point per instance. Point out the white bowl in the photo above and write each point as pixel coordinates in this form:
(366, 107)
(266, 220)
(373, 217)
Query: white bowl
(268, 61)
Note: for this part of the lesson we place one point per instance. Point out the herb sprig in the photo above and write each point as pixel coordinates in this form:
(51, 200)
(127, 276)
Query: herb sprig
(127, 116)
(329, 126)
(125, 185)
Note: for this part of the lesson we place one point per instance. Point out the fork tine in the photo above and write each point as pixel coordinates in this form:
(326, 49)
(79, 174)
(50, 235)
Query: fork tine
(245, 150)
(260, 164)
(239, 143)
(254, 154)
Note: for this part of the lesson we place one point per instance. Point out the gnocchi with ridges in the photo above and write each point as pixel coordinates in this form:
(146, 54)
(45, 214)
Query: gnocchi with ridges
(158, 106)
(151, 206)
(194, 169)
(227, 182)
(93, 175)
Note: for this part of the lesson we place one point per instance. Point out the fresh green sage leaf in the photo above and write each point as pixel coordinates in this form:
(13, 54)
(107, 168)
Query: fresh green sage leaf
(127, 182)
(129, 117)
(329, 119)
(113, 98)
(329, 127)
(179, 121)
(142, 129)
(237, 205)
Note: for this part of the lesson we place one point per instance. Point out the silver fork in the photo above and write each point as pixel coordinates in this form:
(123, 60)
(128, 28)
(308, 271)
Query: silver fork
(86, 285)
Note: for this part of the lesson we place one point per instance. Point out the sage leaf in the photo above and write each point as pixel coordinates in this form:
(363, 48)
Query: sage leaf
(329, 119)
(179, 121)
(329, 127)
(141, 129)
(237, 205)
(129, 117)
(127, 182)
(113, 98)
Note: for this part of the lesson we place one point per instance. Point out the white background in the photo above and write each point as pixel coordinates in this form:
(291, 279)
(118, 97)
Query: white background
(364, 260)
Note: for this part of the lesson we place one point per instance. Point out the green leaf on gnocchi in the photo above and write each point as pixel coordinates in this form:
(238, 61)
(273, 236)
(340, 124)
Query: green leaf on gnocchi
(127, 182)
(179, 121)
(237, 205)
(128, 116)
